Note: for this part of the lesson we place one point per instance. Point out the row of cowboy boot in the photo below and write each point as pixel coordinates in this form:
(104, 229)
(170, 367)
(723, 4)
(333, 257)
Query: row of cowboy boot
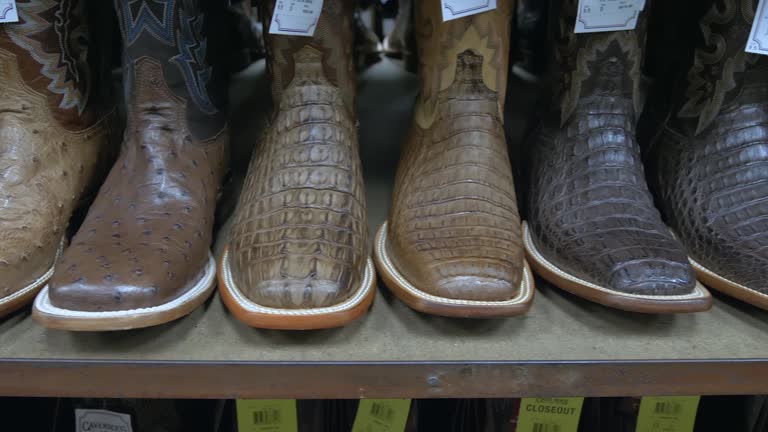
(141, 257)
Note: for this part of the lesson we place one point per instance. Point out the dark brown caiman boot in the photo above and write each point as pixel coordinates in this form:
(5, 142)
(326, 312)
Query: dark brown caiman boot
(712, 158)
(298, 256)
(142, 256)
(452, 244)
(592, 226)
(54, 131)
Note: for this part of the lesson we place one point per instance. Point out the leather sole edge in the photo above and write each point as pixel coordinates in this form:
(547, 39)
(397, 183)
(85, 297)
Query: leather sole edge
(424, 302)
(258, 316)
(66, 319)
(26, 295)
(729, 287)
(698, 301)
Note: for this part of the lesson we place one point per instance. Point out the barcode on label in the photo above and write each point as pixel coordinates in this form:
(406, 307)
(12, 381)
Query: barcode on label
(266, 417)
(382, 412)
(545, 427)
(667, 408)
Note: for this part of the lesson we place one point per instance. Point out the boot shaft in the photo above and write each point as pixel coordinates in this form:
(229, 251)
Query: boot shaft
(449, 49)
(598, 65)
(166, 43)
(50, 44)
(722, 69)
(288, 59)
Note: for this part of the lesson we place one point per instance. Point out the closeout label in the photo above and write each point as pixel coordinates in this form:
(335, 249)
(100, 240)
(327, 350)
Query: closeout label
(295, 17)
(549, 415)
(608, 15)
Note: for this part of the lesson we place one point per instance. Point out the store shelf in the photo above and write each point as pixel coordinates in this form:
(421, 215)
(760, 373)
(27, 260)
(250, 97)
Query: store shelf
(564, 346)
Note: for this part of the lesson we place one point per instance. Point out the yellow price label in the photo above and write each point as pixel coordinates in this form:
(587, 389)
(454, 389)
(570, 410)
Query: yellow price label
(267, 415)
(382, 415)
(667, 414)
(549, 414)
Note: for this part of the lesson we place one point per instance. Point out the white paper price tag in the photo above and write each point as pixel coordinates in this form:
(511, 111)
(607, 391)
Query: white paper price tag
(92, 420)
(8, 12)
(453, 9)
(608, 15)
(758, 37)
(295, 17)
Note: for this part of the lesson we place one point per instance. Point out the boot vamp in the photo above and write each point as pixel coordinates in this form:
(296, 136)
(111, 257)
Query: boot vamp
(455, 231)
(146, 238)
(44, 170)
(716, 187)
(591, 212)
(300, 234)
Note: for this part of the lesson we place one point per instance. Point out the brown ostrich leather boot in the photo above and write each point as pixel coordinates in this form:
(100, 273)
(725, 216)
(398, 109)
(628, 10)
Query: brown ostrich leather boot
(452, 244)
(52, 136)
(298, 255)
(712, 158)
(592, 227)
(142, 255)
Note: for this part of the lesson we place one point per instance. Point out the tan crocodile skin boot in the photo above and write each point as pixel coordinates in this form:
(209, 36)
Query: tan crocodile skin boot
(141, 257)
(298, 255)
(52, 136)
(712, 157)
(593, 228)
(452, 245)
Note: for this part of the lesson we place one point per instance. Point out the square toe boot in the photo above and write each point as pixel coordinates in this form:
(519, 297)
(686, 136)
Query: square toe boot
(142, 257)
(52, 137)
(592, 225)
(452, 244)
(298, 255)
(712, 158)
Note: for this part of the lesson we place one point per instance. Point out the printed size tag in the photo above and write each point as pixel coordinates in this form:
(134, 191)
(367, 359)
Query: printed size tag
(758, 37)
(667, 414)
(453, 9)
(382, 415)
(254, 415)
(296, 17)
(608, 15)
(549, 415)
(93, 420)
(8, 12)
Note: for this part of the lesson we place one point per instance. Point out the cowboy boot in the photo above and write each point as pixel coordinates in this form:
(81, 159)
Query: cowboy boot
(593, 228)
(452, 243)
(53, 134)
(298, 252)
(142, 256)
(711, 158)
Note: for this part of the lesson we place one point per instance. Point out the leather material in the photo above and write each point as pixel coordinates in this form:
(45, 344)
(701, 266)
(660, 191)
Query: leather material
(712, 155)
(590, 210)
(299, 238)
(454, 227)
(52, 137)
(146, 238)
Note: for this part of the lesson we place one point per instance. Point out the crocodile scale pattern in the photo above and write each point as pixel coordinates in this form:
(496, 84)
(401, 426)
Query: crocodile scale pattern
(300, 238)
(714, 180)
(454, 228)
(590, 209)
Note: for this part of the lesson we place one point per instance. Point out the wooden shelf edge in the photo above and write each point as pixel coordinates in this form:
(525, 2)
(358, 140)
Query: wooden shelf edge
(173, 379)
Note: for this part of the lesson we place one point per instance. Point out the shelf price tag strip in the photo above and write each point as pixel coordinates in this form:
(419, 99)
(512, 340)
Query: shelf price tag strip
(668, 414)
(8, 12)
(295, 17)
(549, 415)
(758, 37)
(257, 415)
(382, 415)
(608, 15)
(453, 9)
